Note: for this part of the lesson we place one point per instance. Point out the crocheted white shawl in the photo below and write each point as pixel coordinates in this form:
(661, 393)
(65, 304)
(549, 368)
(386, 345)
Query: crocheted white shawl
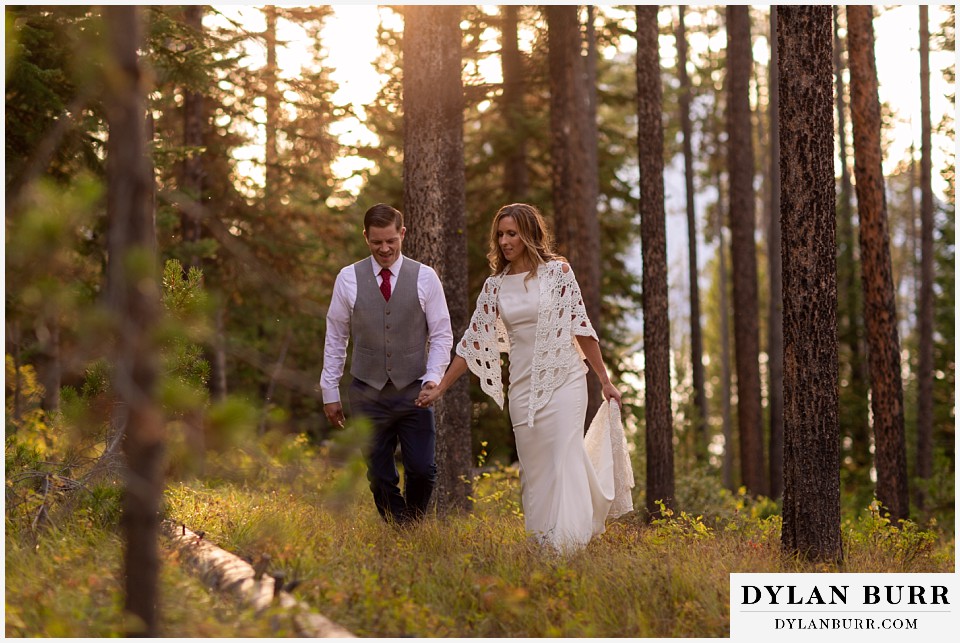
(562, 316)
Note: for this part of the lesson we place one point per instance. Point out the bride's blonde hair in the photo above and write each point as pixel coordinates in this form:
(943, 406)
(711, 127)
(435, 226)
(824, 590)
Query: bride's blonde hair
(533, 233)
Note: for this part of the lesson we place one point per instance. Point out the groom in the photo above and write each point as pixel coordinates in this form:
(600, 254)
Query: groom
(393, 308)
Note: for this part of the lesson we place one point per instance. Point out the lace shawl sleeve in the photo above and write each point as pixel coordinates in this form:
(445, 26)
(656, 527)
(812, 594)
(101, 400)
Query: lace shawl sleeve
(579, 322)
(484, 340)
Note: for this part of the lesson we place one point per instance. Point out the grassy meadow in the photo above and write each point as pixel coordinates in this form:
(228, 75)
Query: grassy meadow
(476, 575)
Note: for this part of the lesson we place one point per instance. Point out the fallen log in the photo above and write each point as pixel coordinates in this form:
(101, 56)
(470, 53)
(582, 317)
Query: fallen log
(227, 572)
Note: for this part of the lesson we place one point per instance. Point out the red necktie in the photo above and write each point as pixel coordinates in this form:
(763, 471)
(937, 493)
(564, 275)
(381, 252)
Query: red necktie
(385, 284)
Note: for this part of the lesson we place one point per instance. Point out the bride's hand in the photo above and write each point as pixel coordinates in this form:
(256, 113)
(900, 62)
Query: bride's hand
(429, 394)
(611, 393)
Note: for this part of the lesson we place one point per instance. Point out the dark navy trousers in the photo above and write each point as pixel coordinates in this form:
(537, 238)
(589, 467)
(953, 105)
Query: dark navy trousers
(396, 421)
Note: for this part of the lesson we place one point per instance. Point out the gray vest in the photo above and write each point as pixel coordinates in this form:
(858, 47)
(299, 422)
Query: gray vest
(389, 338)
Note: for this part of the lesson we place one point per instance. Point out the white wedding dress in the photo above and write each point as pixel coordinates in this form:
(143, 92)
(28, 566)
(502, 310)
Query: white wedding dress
(566, 491)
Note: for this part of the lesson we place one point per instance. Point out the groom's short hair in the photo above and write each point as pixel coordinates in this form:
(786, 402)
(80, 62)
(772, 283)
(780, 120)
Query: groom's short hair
(382, 216)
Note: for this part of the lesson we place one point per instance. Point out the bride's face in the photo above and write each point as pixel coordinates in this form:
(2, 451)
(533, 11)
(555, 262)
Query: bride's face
(508, 237)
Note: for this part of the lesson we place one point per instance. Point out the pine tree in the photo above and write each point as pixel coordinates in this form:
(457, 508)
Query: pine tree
(775, 275)
(435, 206)
(134, 299)
(696, 340)
(924, 467)
(879, 305)
(515, 170)
(811, 498)
(743, 251)
(854, 409)
(577, 228)
(656, 323)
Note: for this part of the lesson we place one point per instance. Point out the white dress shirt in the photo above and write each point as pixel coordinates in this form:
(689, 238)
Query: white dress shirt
(432, 300)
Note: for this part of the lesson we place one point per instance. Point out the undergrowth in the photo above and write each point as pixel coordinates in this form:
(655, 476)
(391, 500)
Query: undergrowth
(307, 511)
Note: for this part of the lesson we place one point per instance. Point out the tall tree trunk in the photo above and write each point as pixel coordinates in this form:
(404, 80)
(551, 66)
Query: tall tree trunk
(567, 107)
(742, 214)
(590, 241)
(150, 133)
(515, 168)
(925, 375)
(191, 173)
(134, 299)
(653, 239)
(879, 303)
(854, 412)
(272, 383)
(218, 364)
(911, 262)
(434, 196)
(272, 95)
(191, 184)
(775, 274)
(726, 369)
(696, 337)
(574, 188)
(811, 494)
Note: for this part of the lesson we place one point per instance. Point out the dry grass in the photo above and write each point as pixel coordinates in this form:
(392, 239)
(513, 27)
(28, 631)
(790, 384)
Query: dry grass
(478, 574)
(473, 575)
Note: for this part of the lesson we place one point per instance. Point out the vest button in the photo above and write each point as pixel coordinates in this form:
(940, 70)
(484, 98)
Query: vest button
(389, 354)
(388, 326)
(388, 312)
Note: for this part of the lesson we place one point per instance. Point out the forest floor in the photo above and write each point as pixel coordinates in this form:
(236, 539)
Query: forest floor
(475, 574)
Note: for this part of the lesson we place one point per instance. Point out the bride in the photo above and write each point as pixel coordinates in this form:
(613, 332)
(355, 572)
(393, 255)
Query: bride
(531, 308)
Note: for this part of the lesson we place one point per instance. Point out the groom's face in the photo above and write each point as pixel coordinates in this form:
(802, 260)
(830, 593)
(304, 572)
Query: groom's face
(384, 243)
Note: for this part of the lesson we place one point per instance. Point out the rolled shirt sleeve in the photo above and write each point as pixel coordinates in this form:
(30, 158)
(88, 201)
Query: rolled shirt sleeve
(440, 334)
(337, 336)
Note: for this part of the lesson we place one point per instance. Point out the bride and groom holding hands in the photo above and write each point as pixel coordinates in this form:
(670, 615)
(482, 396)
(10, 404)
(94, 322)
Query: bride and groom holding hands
(394, 312)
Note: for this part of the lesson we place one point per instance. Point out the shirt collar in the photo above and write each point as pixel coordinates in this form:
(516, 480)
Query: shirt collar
(394, 269)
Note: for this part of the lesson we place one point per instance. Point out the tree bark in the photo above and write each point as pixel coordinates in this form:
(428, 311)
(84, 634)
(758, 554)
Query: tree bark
(218, 363)
(925, 367)
(572, 133)
(434, 195)
(696, 337)
(879, 303)
(854, 420)
(272, 382)
(272, 96)
(567, 105)
(743, 249)
(775, 275)
(515, 167)
(811, 495)
(726, 370)
(191, 174)
(590, 241)
(656, 323)
(134, 298)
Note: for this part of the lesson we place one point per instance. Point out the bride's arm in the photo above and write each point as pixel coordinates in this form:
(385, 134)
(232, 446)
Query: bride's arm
(591, 350)
(458, 366)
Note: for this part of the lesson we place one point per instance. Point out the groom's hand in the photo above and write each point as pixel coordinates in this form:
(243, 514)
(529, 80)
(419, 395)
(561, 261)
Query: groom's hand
(427, 394)
(334, 413)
